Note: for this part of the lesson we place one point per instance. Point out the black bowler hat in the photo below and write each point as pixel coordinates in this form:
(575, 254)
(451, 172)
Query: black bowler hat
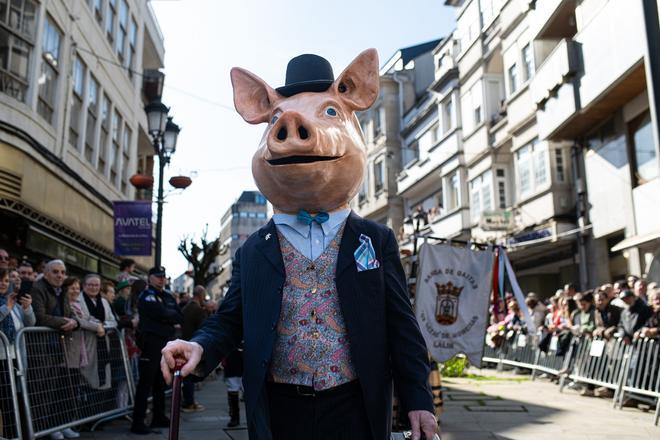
(158, 271)
(307, 73)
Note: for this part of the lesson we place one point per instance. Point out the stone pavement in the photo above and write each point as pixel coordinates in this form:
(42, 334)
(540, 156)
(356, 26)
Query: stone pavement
(497, 406)
(508, 407)
(206, 425)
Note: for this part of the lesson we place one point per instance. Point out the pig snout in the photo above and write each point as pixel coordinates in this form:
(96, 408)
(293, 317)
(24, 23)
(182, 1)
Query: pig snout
(292, 134)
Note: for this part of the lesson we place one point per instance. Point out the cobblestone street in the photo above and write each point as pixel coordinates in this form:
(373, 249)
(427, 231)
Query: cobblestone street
(205, 425)
(509, 407)
(496, 406)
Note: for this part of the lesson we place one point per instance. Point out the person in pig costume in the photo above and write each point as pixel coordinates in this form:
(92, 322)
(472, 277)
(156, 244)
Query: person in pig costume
(318, 294)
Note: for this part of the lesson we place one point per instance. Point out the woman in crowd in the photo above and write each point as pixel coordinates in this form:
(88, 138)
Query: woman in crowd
(15, 313)
(14, 281)
(94, 304)
(123, 290)
(81, 346)
(514, 319)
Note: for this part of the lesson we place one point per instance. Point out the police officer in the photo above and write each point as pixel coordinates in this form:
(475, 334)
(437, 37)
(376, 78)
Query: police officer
(159, 314)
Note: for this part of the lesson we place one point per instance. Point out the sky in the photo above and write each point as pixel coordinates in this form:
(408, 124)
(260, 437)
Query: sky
(204, 39)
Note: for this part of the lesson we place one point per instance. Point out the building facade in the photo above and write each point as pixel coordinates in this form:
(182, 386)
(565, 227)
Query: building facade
(594, 90)
(242, 219)
(537, 131)
(183, 283)
(519, 185)
(404, 79)
(72, 124)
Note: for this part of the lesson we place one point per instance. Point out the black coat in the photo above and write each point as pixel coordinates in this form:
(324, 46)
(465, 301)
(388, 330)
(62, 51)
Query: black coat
(634, 317)
(159, 313)
(385, 340)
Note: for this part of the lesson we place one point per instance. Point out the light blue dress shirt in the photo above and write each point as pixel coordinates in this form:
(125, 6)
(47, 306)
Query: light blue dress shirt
(310, 240)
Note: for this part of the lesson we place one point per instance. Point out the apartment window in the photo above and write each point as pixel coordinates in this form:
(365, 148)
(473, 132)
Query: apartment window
(110, 22)
(513, 79)
(528, 62)
(446, 114)
(452, 192)
(502, 190)
(379, 176)
(477, 115)
(472, 107)
(78, 91)
(559, 165)
(364, 188)
(90, 128)
(122, 31)
(105, 129)
(532, 168)
(49, 70)
(435, 134)
(481, 194)
(410, 153)
(377, 122)
(489, 10)
(645, 163)
(17, 35)
(98, 11)
(126, 157)
(132, 44)
(115, 148)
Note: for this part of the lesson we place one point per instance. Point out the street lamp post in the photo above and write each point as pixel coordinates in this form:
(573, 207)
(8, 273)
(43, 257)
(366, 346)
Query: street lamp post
(416, 220)
(164, 134)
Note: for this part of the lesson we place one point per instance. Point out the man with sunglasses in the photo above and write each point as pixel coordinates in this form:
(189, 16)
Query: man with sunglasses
(159, 317)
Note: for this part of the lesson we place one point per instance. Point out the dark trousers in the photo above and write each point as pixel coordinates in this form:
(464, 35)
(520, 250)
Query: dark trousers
(188, 391)
(151, 379)
(336, 414)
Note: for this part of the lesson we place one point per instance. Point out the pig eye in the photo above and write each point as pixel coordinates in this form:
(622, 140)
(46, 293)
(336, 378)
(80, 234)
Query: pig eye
(330, 111)
(274, 119)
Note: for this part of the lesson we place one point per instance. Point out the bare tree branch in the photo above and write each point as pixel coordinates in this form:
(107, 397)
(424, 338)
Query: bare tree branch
(201, 257)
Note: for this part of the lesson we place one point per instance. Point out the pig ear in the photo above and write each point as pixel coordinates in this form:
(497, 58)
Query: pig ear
(358, 84)
(253, 98)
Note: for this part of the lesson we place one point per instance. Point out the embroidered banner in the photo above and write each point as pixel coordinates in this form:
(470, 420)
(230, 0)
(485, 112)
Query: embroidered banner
(132, 228)
(451, 303)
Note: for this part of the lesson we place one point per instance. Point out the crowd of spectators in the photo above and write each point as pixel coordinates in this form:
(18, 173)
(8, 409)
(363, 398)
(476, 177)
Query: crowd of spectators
(628, 309)
(83, 310)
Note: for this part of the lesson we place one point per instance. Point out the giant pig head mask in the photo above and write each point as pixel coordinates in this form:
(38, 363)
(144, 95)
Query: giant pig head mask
(312, 154)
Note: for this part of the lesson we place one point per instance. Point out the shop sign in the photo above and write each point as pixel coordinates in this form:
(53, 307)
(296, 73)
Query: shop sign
(529, 236)
(496, 221)
(133, 228)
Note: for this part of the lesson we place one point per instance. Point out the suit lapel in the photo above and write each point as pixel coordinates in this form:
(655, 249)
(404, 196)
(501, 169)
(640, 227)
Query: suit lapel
(269, 246)
(349, 242)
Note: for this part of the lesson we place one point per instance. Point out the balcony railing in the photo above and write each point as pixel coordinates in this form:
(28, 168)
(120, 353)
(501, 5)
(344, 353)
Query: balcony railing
(561, 64)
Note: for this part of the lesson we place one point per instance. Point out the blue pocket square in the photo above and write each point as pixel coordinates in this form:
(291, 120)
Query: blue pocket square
(365, 256)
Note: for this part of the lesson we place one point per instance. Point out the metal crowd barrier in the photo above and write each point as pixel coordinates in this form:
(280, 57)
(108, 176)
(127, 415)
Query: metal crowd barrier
(641, 375)
(10, 425)
(68, 381)
(625, 369)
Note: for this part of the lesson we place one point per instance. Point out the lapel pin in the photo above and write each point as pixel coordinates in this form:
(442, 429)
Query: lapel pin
(268, 236)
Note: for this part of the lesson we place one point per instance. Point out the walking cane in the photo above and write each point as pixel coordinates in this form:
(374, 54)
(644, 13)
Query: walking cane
(175, 411)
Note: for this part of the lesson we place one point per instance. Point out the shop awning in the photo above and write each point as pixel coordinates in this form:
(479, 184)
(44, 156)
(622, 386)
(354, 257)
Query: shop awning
(635, 240)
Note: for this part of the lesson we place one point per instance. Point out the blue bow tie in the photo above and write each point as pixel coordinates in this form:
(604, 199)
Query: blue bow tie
(307, 218)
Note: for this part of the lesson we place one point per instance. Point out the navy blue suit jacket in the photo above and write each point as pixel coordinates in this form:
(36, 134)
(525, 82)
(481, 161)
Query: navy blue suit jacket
(385, 340)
